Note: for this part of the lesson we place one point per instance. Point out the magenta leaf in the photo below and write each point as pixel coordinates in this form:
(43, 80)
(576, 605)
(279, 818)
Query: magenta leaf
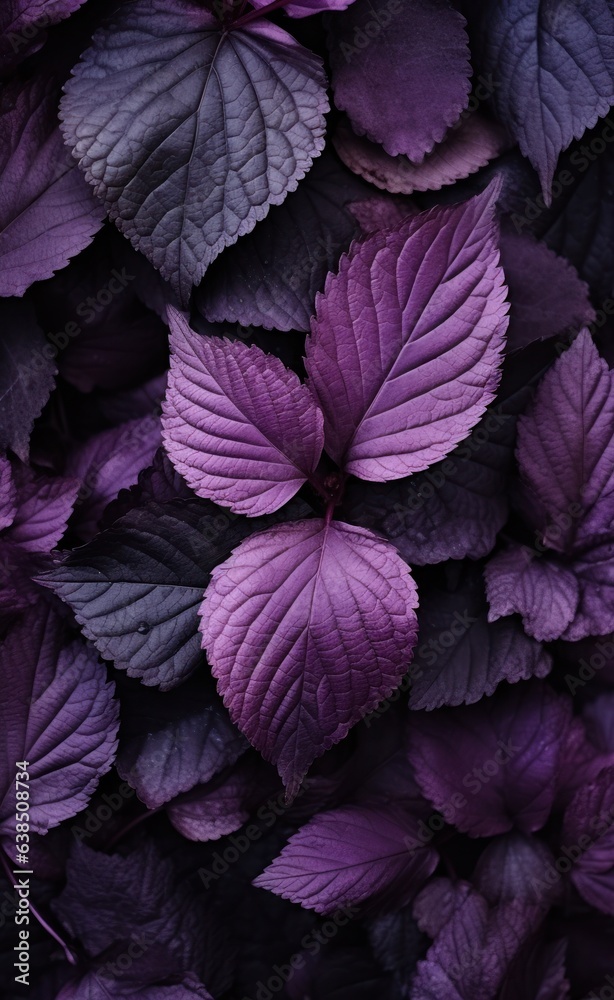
(401, 71)
(406, 345)
(554, 64)
(58, 713)
(307, 627)
(238, 425)
(467, 147)
(189, 134)
(47, 212)
(588, 829)
(351, 855)
(493, 766)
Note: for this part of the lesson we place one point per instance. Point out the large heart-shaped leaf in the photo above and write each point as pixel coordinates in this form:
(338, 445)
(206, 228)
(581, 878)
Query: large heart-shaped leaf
(238, 425)
(189, 133)
(58, 713)
(307, 627)
(407, 341)
(554, 66)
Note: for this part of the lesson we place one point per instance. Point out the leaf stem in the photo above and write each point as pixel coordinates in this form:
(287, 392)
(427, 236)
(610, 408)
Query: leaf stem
(252, 15)
(69, 953)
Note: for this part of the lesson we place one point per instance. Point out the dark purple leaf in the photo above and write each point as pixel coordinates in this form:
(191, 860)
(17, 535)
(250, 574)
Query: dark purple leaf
(302, 8)
(58, 713)
(307, 627)
(588, 829)
(543, 591)
(461, 657)
(546, 294)
(107, 463)
(493, 764)
(537, 973)
(401, 71)
(468, 146)
(8, 494)
(213, 128)
(270, 278)
(349, 856)
(23, 23)
(238, 425)
(221, 807)
(47, 212)
(510, 868)
(170, 742)
(102, 984)
(409, 335)
(27, 375)
(554, 65)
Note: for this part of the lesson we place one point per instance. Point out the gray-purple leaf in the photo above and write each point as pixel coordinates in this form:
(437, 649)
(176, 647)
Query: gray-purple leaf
(189, 133)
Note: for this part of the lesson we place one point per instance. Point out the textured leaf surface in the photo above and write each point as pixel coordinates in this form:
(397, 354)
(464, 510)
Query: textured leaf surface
(461, 657)
(554, 63)
(270, 278)
(503, 753)
(467, 147)
(100, 985)
(136, 588)
(544, 592)
(58, 713)
(45, 504)
(238, 425)
(409, 336)
(350, 855)
(302, 8)
(23, 23)
(48, 213)
(188, 135)
(401, 72)
(566, 446)
(170, 742)
(307, 627)
(26, 375)
(589, 824)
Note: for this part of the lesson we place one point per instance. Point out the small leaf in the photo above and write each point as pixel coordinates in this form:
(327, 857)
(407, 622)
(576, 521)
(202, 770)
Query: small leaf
(307, 627)
(238, 425)
(350, 855)
(543, 591)
(189, 133)
(407, 341)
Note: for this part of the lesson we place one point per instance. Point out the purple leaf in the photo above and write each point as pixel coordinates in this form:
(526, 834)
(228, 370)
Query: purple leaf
(303, 8)
(47, 212)
(173, 741)
(462, 657)
(537, 973)
(58, 713)
(238, 425)
(457, 507)
(501, 756)
(27, 375)
(566, 446)
(100, 985)
(511, 866)
(136, 588)
(588, 829)
(211, 811)
(45, 504)
(467, 147)
(544, 592)
(187, 133)
(307, 627)
(23, 23)
(107, 463)
(401, 72)
(554, 64)
(110, 897)
(8, 494)
(594, 571)
(270, 278)
(348, 856)
(409, 336)
(472, 950)
(546, 294)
